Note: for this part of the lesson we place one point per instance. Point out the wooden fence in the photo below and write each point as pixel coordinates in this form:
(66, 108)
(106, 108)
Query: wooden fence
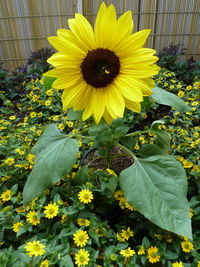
(25, 24)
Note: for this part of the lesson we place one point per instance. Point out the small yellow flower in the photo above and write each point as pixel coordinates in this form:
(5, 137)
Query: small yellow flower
(35, 248)
(12, 118)
(82, 257)
(17, 226)
(198, 264)
(61, 126)
(189, 87)
(6, 196)
(51, 210)
(187, 246)
(80, 238)
(144, 115)
(49, 92)
(187, 164)
(181, 93)
(9, 161)
(177, 264)
(126, 234)
(33, 114)
(127, 252)
(19, 151)
(83, 222)
(33, 218)
(47, 103)
(85, 196)
(44, 263)
(120, 238)
(152, 254)
(30, 158)
(111, 172)
(118, 195)
(141, 250)
(70, 123)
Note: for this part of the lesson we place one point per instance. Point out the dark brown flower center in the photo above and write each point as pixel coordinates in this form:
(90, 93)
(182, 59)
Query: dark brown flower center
(100, 67)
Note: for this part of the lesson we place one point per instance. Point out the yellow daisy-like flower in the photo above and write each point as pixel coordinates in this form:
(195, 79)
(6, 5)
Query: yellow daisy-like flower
(85, 196)
(33, 218)
(44, 263)
(35, 248)
(141, 250)
(152, 254)
(187, 246)
(104, 70)
(177, 264)
(6, 196)
(51, 210)
(126, 234)
(17, 226)
(82, 257)
(83, 222)
(198, 264)
(80, 238)
(9, 161)
(127, 252)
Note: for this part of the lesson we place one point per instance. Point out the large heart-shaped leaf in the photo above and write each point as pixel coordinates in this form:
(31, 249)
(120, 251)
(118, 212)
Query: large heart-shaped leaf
(166, 98)
(55, 156)
(157, 188)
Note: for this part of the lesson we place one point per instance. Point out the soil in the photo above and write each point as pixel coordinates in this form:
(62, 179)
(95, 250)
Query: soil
(120, 160)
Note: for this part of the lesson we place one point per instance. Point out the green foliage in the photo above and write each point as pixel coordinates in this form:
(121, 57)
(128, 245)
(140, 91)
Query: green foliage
(172, 58)
(166, 98)
(108, 215)
(55, 155)
(157, 187)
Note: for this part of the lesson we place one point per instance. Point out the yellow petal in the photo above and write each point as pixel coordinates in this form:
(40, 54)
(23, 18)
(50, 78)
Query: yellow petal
(114, 102)
(59, 59)
(83, 31)
(104, 25)
(134, 106)
(70, 94)
(107, 117)
(98, 102)
(135, 41)
(67, 83)
(129, 89)
(66, 47)
(63, 72)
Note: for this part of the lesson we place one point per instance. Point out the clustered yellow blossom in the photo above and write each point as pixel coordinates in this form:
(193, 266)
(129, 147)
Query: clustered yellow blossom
(51, 210)
(35, 248)
(80, 238)
(82, 257)
(152, 255)
(85, 196)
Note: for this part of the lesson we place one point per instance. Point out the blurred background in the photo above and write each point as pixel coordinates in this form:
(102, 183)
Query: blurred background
(26, 24)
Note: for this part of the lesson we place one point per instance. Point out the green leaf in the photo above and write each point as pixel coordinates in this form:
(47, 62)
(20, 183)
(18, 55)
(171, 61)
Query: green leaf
(67, 261)
(48, 81)
(166, 98)
(163, 139)
(157, 188)
(148, 150)
(55, 157)
(74, 115)
(81, 176)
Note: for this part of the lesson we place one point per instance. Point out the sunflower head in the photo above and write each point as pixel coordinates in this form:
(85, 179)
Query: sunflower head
(103, 70)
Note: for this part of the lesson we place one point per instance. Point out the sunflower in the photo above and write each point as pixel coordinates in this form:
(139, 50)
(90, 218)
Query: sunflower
(104, 70)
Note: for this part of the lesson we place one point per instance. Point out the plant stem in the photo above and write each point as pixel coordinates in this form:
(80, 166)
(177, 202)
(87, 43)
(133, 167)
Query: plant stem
(136, 133)
(127, 150)
(31, 262)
